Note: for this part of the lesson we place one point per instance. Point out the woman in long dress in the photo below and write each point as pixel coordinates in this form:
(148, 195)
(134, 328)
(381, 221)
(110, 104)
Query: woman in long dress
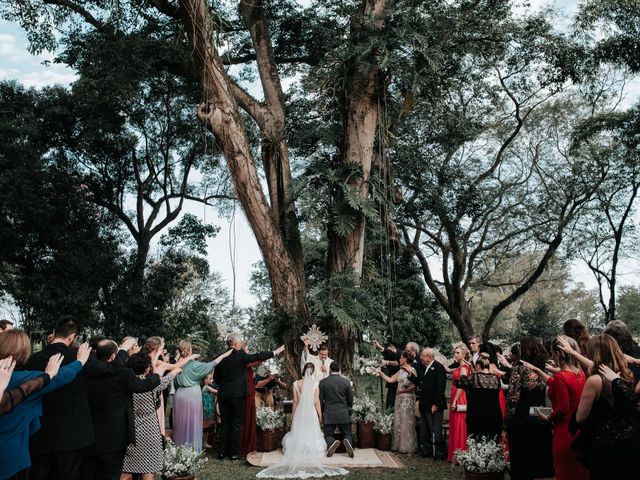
(304, 447)
(404, 412)
(458, 412)
(187, 401)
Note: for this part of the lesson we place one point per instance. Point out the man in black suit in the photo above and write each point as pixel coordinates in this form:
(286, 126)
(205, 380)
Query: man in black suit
(231, 377)
(336, 399)
(431, 380)
(67, 430)
(111, 405)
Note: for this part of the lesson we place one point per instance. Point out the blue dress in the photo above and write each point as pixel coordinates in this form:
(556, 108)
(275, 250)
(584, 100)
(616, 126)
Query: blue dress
(18, 425)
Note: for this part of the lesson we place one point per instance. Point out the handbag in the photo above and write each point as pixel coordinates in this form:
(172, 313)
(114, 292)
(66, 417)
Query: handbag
(461, 408)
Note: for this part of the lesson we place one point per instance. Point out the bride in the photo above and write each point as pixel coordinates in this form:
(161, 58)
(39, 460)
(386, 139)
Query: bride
(304, 447)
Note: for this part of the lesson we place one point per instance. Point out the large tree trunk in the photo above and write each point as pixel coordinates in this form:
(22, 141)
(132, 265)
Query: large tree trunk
(362, 93)
(220, 114)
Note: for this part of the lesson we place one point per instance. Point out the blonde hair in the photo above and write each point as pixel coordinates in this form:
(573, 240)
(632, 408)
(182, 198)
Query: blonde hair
(466, 355)
(152, 344)
(604, 350)
(185, 348)
(15, 343)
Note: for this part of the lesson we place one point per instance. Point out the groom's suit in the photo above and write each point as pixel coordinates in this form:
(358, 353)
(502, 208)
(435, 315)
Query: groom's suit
(336, 399)
(231, 377)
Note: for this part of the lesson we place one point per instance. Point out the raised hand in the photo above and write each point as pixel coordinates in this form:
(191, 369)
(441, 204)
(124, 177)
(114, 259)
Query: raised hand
(531, 367)
(6, 369)
(54, 365)
(564, 345)
(194, 356)
(83, 353)
(281, 348)
(128, 343)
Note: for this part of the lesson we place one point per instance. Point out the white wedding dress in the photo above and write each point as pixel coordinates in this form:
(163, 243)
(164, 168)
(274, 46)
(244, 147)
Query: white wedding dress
(304, 447)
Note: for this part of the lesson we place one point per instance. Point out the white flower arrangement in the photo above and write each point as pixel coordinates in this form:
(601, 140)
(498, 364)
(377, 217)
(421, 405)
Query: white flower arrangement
(482, 456)
(384, 424)
(181, 461)
(269, 419)
(273, 366)
(366, 365)
(364, 409)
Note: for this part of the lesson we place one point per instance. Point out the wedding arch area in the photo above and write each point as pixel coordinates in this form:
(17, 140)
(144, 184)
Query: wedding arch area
(344, 178)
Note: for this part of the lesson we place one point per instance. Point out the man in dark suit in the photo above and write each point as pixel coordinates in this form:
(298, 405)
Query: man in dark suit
(431, 380)
(67, 429)
(111, 405)
(231, 377)
(336, 399)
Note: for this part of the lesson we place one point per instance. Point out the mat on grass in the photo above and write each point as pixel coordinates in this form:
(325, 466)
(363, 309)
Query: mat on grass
(364, 458)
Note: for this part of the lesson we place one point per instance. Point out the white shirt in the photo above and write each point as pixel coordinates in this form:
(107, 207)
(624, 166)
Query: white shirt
(318, 374)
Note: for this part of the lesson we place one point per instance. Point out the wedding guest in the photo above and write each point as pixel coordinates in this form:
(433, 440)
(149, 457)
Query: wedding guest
(565, 389)
(389, 353)
(67, 429)
(529, 435)
(613, 438)
(575, 329)
(146, 456)
(23, 420)
(458, 412)
(619, 331)
(209, 392)
(187, 401)
(404, 416)
(321, 362)
(431, 382)
(484, 416)
(111, 405)
(231, 377)
(5, 325)
(474, 347)
(264, 387)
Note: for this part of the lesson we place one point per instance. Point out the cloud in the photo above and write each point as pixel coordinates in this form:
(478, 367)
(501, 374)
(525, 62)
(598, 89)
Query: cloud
(50, 76)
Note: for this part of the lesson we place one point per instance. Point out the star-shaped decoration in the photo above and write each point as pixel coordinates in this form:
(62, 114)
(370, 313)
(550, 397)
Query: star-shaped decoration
(315, 336)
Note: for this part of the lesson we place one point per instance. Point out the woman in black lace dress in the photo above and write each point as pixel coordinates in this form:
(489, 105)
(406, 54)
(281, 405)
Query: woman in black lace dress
(613, 429)
(529, 435)
(484, 416)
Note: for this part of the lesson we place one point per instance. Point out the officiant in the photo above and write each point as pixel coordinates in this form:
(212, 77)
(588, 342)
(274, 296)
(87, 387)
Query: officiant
(321, 362)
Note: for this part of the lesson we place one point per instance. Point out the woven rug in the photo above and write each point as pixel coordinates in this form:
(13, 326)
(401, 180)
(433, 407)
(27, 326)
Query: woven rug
(363, 458)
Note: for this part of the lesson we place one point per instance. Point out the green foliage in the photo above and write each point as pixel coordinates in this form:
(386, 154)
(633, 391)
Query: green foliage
(537, 321)
(190, 233)
(629, 307)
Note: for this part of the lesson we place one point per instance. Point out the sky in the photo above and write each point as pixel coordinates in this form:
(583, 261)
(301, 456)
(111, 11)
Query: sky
(16, 63)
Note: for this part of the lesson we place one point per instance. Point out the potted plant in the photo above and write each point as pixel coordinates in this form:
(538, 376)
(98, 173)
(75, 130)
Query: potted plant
(269, 423)
(364, 412)
(482, 460)
(383, 428)
(181, 463)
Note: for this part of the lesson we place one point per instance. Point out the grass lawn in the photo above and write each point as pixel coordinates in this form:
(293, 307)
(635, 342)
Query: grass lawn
(415, 467)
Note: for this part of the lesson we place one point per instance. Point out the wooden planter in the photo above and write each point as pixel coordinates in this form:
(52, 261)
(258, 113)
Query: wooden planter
(366, 435)
(383, 441)
(268, 440)
(484, 476)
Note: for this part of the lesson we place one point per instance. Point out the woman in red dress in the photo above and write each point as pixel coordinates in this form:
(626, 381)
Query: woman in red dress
(458, 412)
(249, 434)
(565, 389)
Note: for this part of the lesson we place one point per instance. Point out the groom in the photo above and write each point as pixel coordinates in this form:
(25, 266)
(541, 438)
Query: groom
(336, 398)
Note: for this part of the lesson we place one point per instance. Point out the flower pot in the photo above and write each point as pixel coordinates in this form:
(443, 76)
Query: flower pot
(383, 441)
(366, 436)
(268, 440)
(484, 476)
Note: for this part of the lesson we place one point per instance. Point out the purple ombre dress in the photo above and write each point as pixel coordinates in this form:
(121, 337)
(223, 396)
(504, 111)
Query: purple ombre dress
(187, 404)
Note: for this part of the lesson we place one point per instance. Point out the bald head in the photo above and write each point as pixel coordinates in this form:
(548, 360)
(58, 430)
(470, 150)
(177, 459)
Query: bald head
(106, 350)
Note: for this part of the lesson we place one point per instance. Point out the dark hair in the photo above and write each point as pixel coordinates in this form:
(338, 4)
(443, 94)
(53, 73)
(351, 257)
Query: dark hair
(66, 327)
(408, 356)
(515, 352)
(532, 350)
(105, 348)
(5, 323)
(334, 367)
(323, 347)
(307, 366)
(490, 350)
(575, 329)
(621, 334)
(139, 363)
